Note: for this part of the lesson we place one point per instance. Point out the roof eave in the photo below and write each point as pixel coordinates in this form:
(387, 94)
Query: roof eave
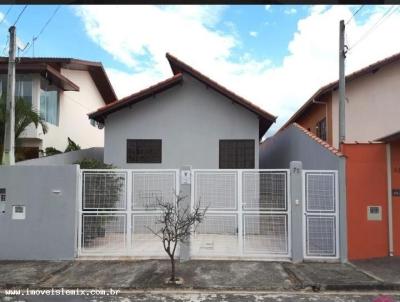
(132, 99)
(175, 63)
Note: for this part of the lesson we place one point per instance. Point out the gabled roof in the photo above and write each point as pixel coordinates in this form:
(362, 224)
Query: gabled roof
(43, 65)
(266, 119)
(334, 85)
(390, 138)
(318, 140)
(134, 98)
(178, 68)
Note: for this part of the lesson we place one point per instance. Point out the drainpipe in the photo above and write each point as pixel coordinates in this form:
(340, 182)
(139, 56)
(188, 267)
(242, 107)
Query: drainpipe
(389, 196)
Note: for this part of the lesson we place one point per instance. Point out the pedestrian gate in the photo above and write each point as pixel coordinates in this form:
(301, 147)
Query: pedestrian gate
(248, 213)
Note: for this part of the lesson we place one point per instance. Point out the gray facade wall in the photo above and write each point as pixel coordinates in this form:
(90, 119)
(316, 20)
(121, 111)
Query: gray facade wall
(68, 158)
(49, 229)
(291, 144)
(189, 118)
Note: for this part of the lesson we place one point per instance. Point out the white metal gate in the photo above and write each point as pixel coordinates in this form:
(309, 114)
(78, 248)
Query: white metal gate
(248, 213)
(118, 206)
(320, 231)
(248, 216)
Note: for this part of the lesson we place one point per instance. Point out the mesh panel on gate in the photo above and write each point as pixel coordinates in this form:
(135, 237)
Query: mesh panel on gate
(104, 190)
(216, 190)
(144, 242)
(320, 192)
(321, 236)
(265, 233)
(148, 187)
(103, 232)
(213, 224)
(264, 190)
(216, 236)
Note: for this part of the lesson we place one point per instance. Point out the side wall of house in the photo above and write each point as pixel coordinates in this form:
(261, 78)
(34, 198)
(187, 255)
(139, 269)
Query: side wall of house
(73, 119)
(366, 186)
(190, 119)
(49, 195)
(315, 113)
(372, 107)
(395, 156)
(291, 144)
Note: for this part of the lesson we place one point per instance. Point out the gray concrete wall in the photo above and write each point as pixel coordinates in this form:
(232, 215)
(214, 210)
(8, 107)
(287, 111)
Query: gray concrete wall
(189, 118)
(291, 144)
(49, 230)
(68, 158)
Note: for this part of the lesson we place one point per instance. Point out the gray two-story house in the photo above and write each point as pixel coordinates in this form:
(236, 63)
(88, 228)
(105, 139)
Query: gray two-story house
(187, 119)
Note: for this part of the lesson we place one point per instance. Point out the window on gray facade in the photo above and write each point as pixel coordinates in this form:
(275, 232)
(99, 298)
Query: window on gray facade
(236, 154)
(143, 151)
(49, 102)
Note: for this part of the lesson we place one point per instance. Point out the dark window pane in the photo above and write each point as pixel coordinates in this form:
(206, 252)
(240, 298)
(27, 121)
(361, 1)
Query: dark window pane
(236, 154)
(143, 151)
(321, 129)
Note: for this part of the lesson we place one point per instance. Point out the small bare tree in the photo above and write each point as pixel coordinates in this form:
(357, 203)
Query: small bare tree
(175, 225)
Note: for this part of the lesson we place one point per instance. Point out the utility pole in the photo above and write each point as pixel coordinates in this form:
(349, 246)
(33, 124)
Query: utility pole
(342, 84)
(9, 134)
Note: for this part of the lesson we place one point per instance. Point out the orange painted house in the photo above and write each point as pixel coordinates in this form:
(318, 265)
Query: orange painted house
(371, 149)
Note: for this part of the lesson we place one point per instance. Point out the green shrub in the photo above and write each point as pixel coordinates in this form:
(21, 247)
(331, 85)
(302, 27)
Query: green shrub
(89, 163)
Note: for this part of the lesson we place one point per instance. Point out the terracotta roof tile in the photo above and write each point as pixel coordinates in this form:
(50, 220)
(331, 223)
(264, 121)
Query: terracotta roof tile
(100, 114)
(318, 140)
(333, 85)
(178, 67)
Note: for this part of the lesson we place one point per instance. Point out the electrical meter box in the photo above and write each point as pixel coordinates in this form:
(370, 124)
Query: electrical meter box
(18, 212)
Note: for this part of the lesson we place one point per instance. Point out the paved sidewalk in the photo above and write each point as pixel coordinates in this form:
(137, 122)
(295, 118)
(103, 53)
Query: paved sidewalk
(200, 275)
(385, 269)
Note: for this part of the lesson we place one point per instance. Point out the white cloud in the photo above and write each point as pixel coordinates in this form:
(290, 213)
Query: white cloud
(267, 7)
(253, 34)
(192, 35)
(290, 11)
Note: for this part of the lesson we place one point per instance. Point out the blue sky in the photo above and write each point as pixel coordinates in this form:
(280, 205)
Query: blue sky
(274, 55)
(264, 33)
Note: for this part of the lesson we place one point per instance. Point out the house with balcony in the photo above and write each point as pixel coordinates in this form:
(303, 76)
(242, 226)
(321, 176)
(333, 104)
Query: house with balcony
(371, 152)
(62, 90)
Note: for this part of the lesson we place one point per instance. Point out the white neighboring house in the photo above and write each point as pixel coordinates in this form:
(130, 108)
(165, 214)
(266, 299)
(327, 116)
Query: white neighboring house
(63, 90)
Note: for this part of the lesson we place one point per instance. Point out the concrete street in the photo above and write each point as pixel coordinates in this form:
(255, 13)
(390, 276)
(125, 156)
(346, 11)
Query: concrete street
(220, 297)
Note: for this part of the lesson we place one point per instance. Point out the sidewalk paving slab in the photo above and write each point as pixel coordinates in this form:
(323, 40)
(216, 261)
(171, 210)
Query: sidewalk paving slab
(151, 274)
(386, 269)
(28, 273)
(197, 274)
(331, 276)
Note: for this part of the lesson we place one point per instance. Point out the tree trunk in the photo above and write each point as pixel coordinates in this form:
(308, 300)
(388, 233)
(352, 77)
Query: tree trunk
(172, 268)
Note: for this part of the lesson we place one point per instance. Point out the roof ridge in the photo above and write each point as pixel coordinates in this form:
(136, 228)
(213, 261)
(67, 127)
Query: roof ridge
(187, 66)
(318, 140)
(325, 88)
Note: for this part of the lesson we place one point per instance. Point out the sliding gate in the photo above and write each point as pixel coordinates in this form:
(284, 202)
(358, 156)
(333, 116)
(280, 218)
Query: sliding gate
(118, 211)
(248, 213)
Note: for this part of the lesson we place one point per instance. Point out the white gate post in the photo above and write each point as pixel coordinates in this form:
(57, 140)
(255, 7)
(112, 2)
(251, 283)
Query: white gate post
(296, 191)
(129, 203)
(185, 181)
(240, 212)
